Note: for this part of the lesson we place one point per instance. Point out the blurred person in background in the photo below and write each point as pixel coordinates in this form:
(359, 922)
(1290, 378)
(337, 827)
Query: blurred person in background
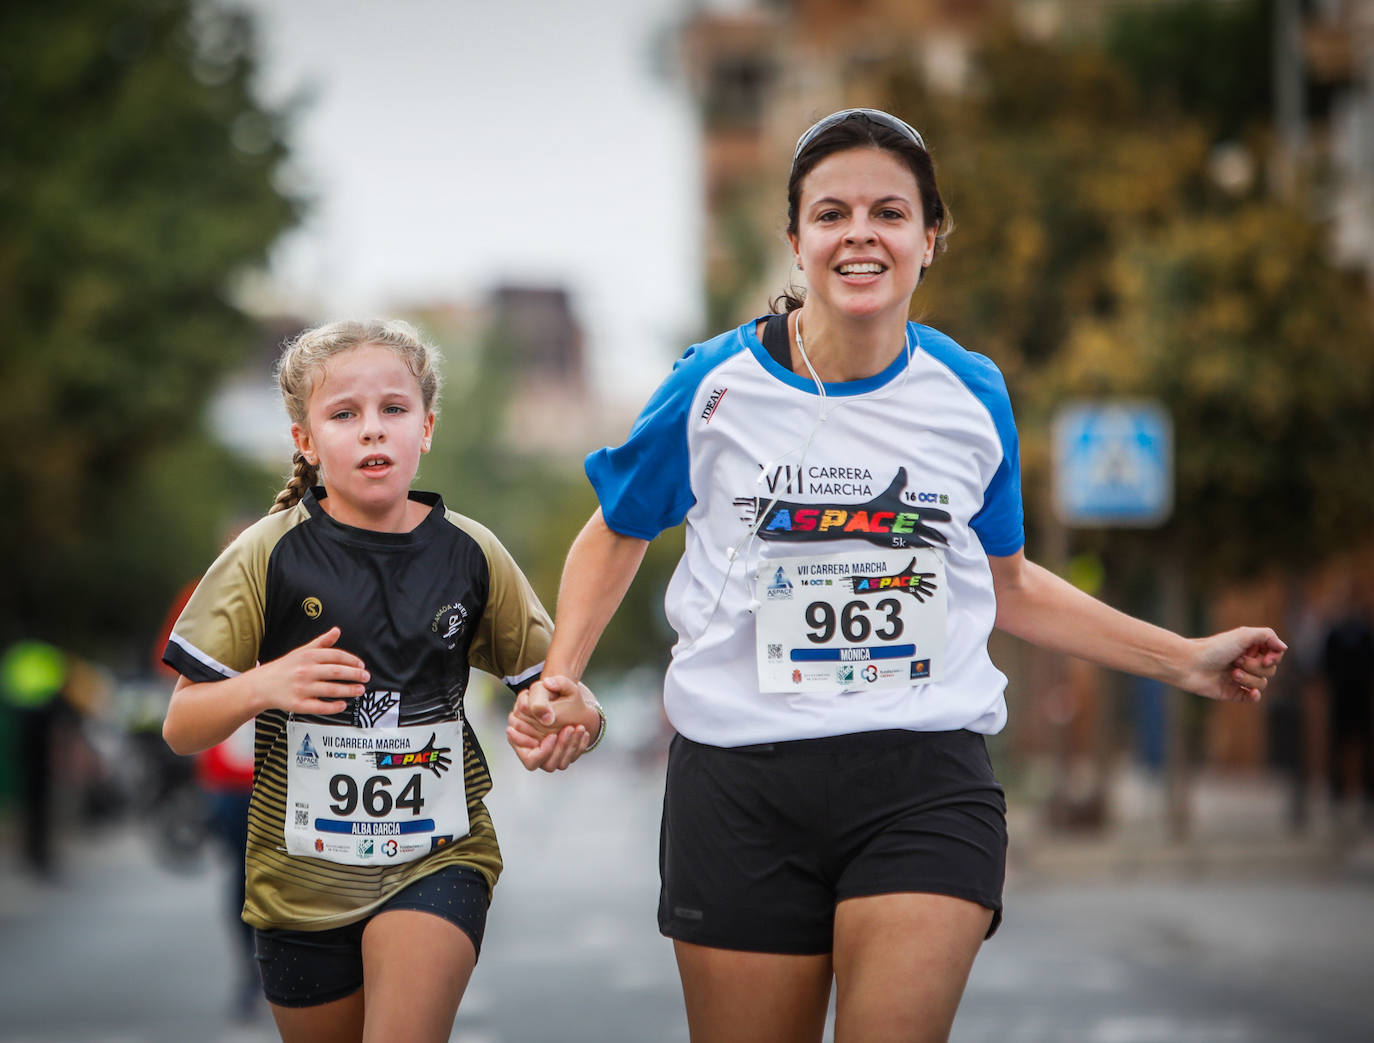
(224, 774)
(1348, 668)
(345, 623)
(850, 482)
(1289, 727)
(47, 693)
(33, 675)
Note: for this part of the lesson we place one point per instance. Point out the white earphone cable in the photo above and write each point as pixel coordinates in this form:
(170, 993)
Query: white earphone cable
(746, 542)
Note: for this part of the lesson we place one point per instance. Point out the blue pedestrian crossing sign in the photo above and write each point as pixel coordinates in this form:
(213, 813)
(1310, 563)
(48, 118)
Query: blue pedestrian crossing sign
(1113, 464)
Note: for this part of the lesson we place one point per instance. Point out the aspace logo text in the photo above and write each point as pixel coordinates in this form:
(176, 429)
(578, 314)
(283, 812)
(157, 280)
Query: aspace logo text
(884, 520)
(918, 584)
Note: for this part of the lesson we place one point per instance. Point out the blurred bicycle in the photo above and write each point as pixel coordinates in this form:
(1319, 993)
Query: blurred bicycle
(144, 781)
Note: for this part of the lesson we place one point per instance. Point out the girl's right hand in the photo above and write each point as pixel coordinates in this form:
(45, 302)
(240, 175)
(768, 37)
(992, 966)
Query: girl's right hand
(553, 722)
(316, 678)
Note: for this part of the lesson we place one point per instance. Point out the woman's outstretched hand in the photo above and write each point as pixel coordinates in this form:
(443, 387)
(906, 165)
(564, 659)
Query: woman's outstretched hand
(553, 723)
(1235, 665)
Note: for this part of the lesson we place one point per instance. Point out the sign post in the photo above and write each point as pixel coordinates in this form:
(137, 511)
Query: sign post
(1113, 468)
(1113, 464)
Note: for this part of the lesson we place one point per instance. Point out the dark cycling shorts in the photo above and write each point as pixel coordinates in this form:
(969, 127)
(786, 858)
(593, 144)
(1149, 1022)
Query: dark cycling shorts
(759, 843)
(306, 968)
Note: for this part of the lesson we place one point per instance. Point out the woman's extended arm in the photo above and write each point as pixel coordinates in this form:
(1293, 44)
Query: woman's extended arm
(1040, 607)
(601, 565)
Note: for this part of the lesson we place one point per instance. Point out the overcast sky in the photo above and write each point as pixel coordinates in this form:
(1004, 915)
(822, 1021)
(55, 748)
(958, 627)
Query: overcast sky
(453, 145)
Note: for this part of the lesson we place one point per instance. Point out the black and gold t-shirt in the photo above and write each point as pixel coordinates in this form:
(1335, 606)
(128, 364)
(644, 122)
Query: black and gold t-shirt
(419, 608)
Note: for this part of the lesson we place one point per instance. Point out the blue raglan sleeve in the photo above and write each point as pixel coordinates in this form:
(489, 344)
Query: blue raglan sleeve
(644, 485)
(1000, 523)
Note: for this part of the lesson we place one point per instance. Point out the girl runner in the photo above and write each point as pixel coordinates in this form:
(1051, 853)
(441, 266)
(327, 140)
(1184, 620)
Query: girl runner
(345, 623)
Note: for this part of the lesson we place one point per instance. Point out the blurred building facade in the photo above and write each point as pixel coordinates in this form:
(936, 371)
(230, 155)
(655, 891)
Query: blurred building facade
(552, 409)
(1328, 46)
(760, 73)
(524, 341)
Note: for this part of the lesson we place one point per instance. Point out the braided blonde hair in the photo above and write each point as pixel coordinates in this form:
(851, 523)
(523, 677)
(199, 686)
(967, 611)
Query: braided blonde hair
(305, 356)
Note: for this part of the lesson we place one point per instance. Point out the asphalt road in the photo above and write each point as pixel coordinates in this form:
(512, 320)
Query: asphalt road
(123, 951)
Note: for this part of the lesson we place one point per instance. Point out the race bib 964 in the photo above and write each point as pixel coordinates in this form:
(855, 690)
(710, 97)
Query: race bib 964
(370, 796)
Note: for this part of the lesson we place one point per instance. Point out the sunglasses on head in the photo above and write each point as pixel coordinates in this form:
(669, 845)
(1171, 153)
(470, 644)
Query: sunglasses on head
(886, 119)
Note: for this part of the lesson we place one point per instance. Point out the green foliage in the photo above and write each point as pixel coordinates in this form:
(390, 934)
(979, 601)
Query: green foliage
(159, 528)
(1209, 60)
(731, 291)
(535, 503)
(1266, 356)
(137, 178)
(1095, 255)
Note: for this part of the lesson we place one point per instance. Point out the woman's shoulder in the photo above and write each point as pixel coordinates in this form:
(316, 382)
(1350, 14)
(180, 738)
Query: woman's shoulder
(702, 359)
(968, 366)
(707, 354)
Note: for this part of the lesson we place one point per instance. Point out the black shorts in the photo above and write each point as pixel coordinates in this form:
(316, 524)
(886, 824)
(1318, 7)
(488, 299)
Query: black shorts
(306, 968)
(759, 843)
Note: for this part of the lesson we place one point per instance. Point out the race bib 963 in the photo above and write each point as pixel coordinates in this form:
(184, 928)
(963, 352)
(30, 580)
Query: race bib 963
(848, 621)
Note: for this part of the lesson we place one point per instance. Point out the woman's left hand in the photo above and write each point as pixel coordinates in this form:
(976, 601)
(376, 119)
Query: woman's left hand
(1235, 665)
(553, 723)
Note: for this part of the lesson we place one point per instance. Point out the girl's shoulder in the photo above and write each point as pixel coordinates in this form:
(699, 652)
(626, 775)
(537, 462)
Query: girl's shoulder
(271, 527)
(487, 541)
(254, 545)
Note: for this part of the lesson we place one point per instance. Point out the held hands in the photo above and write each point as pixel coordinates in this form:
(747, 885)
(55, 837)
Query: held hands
(1235, 665)
(314, 678)
(555, 721)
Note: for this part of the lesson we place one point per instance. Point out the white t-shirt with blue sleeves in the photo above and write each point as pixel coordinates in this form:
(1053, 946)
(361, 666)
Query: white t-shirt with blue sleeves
(763, 469)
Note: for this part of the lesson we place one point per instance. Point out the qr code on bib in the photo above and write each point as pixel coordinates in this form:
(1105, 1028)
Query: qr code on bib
(774, 651)
(302, 817)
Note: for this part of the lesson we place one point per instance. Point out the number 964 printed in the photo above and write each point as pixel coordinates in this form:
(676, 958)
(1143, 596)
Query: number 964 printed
(350, 786)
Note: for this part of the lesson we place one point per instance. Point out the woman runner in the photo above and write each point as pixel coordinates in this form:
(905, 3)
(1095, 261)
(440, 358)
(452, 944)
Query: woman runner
(850, 483)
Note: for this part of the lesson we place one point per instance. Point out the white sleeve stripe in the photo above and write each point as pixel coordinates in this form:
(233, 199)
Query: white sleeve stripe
(200, 657)
(522, 679)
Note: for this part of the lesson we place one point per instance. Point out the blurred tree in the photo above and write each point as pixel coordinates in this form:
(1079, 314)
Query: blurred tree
(747, 247)
(1199, 57)
(1265, 355)
(535, 503)
(1116, 237)
(138, 175)
(1098, 251)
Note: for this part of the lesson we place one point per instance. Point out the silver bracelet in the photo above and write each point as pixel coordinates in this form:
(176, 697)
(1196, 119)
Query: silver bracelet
(602, 733)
